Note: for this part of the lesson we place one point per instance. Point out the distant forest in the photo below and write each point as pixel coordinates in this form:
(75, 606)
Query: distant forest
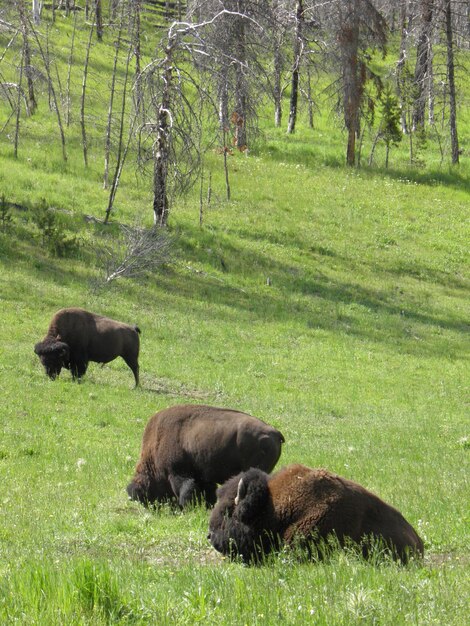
(186, 75)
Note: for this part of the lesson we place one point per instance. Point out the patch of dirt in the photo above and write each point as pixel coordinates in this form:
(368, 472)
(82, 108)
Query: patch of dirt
(445, 558)
(174, 388)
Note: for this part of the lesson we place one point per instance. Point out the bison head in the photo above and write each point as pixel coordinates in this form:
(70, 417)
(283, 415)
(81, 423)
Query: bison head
(236, 526)
(54, 355)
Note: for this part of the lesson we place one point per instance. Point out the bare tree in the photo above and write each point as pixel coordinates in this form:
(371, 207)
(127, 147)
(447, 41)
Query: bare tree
(82, 98)
(277, 86)
(173, 118)
(69, 70)
(451, 83)
(36, 12)
(99, 20)
(423, 61)
(241, 83)
(298, 47)
(122, 150)
(163, 127)
(28, 69)
(107, 148)
(402, 59)
(356, 26)
(52, 91)
(138, 97)
(18, 108)
(237, 39)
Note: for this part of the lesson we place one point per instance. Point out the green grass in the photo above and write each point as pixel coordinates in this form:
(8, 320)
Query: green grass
(332, 303)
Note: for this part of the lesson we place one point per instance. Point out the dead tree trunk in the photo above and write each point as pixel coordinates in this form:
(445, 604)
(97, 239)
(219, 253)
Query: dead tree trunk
(138, 97)
(69, 70)
(18, 108)
(430, 85)
(53, 94)
(298, 45)
(241, 87)
(222, 89)
(26, 59)
(161, 146)
(401, 87)
(227, 181)
(422, 63)
(82, 99)
(451, 84)
(107, 148)
(99, 20)
(277, 88)
(113, 7)
(349, 42)
(36, 12)
(121, 152)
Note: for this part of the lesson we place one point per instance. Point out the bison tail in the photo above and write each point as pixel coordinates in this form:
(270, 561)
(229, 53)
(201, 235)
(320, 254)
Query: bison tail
(137, 329)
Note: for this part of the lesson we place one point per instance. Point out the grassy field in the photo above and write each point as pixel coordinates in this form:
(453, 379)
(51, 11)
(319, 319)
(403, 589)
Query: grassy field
(332, 303)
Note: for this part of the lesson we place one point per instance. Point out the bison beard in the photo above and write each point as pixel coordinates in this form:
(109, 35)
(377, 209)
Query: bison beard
(256, 514)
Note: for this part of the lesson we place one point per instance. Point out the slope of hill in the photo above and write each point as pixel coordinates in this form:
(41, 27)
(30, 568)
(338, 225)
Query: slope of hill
(331, 303)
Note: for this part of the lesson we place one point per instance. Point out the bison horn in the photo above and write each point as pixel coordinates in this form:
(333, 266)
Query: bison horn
(241, 491)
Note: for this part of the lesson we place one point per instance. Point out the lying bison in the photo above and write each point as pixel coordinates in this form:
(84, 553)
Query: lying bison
(256, 514)
(188, 449)
(76, 337)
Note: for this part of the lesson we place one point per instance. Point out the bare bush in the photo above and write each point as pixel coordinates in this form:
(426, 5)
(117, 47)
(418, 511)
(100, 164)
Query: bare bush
(135, 252)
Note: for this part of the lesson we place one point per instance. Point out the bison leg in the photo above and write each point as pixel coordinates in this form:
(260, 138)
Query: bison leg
(134, 365)
(189, 491)
(78, 367)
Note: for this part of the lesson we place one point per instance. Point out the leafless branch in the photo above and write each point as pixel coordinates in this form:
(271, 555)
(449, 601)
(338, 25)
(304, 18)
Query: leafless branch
(136, 252)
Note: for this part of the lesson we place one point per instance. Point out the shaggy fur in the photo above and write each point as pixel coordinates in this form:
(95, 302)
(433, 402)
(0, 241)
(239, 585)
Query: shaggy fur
(76, 337)
(188, 449)
(256, 513)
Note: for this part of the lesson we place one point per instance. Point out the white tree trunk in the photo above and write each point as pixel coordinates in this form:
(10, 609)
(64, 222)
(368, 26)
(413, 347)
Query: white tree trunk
(36, 11)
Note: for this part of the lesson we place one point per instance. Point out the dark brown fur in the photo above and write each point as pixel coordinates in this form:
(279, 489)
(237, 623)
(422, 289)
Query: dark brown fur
(256, 514)
(76, 337)
(188, 449)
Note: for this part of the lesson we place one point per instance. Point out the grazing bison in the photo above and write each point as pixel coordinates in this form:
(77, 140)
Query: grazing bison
(188, 449)
(76, 336)
(256, 514)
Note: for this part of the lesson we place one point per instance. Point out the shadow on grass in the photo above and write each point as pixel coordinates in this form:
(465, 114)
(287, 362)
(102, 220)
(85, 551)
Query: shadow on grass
(311, 156)
(300, 293)
(395, 328)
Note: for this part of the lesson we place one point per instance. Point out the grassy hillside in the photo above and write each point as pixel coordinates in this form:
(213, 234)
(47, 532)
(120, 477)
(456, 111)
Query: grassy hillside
(331, 303)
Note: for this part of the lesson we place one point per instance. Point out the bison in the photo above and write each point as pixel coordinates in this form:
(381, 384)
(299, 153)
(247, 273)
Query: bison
(76, 337)
(256, 514)
(188, 449)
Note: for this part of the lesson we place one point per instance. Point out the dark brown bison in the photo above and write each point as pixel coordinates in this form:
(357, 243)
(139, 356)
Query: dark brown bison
(256, 514)
(76, 337)
(188, 449)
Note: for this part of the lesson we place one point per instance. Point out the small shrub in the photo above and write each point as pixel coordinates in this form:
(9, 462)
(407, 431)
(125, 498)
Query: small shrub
(53, 235)
(5, 213)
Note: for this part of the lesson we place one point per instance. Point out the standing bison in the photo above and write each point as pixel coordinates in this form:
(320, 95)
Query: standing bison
(187, 450)
(256, 514)
(76, 337)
